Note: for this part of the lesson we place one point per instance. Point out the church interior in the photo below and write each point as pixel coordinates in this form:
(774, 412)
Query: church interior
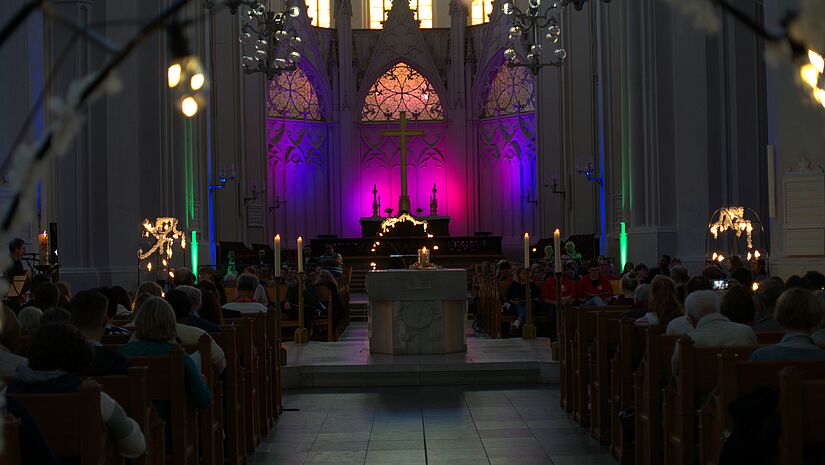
(374, 232)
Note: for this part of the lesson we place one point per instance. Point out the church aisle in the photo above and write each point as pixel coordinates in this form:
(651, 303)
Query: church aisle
(435, 425)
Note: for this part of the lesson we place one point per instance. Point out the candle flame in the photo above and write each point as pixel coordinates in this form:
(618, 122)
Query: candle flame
(277, 237)
(755, 287)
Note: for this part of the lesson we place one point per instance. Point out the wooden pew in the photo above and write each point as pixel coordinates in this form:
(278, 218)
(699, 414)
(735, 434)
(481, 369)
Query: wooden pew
(738, 377)
(583, 334)
(130, 392)
(10, 455)
(210, 419)
(648, 396)
(276, 356)
(266, 416)
(802, 410)
(233, 400)
(166, 382)
(57, 416)
(698, 374)
(249, 363)
(623, 365)
(605, 344)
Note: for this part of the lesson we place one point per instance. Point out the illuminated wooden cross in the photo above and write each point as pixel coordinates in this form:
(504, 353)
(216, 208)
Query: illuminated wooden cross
(404, 200)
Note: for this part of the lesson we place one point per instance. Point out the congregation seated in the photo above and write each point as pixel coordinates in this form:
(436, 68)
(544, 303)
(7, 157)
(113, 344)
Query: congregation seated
(663, 267)
(45, 296)
(325, 279)
(210, 303)
(680, 325)
(183, 276)
(642, 273)
(194, 319)
(124, 302)
(627, 289)
(58, 358)
(155, 327)
(207, 273)
(568, 290)
(88, 314)
(641, 302)
(10, 333)
(312, 305)
(664, 303)
(65, 297)
(55, 315)
(738, 305)
(711, 328)
(244, 301)
(517, 297)
(332, 261)
(29, 318)
(186, 334)
(767, 295)
(799, 312)
(111, 312)
(680, 276)
(594, 289)
(260, 291)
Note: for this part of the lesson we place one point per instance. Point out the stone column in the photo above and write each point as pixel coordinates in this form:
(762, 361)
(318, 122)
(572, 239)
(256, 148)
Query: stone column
(345, 159)
(458, 162)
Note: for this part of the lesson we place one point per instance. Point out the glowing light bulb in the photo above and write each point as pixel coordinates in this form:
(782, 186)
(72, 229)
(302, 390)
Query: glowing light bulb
(149, 266)
(817, 61)
(755, 287)
(196, 82)
(173, 75)
(189, 107)
(714, 256)
(720, 258)
(809, 75)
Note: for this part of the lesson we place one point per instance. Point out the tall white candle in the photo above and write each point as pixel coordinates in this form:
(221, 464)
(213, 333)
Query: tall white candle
(527, 251)
(277, 256)
(300, 254)
(557, 250)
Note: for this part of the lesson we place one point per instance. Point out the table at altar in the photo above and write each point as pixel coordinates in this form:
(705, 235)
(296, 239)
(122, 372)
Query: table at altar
(417, 311)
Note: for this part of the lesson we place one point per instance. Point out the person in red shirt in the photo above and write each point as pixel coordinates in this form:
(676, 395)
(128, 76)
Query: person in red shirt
(594, 288)
(548, 295)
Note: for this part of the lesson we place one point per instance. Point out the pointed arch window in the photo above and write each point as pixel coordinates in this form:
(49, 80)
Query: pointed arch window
(402, 88)
(423, 10)
(319, 11)
(292, 96)
(480, 11)
(511, 93)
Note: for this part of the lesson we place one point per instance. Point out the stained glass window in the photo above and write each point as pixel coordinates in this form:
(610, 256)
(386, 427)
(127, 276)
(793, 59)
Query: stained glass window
(511, 93)
(480, 11)
(423, 10)
(292, 96)
(319, 11)
(402, 88)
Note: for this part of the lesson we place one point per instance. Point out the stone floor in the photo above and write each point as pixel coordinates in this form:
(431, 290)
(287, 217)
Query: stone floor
(348, 362)
(453, 425)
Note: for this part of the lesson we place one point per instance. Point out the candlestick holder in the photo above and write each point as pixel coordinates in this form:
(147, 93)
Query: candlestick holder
(376, 202)
(301, 334)
(556, 345)
(281, 350)
(529, 329)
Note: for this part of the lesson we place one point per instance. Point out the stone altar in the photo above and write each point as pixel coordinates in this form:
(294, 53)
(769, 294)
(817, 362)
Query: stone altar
(417, 312)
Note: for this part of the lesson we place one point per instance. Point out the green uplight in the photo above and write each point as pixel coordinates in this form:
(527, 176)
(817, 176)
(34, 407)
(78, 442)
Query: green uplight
(623, 245)
(194, 246)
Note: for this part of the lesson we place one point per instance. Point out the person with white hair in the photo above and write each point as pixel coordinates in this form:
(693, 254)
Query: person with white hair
(194, 319)
(712, 329)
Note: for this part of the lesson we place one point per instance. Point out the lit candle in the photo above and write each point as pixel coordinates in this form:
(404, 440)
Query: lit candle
(526, 250)
(557, 250)
(277, 255)
(44, 246)
(300, 255)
